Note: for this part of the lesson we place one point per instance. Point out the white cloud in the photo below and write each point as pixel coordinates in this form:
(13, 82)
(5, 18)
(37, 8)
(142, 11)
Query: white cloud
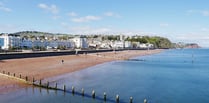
(84, 29)
(90, 30)
(72, 14)
(63, 24)
(50, 8)
(205, 13)
(191, 11)
(86, 19)
(112, 14)
(201, 39)
(9, 28)
(191, 37)
(109, 14)
(205, 29)
(91, 17)
(55, 17)
(201, 12)
(3, 8)
(164, 25)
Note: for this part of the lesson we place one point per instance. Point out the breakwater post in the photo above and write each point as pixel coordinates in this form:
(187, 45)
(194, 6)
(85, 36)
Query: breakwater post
(64, 88)
(117, 98)
(93, 94)
(73, 89)
(33, 80)
(40, 82)
(105, 96)
(82, 91)
(8, 73)
(26, 78)
(14, 74)
(56, 86)
(145, 100)
(47, 85)
(131, 99)
(20, 76)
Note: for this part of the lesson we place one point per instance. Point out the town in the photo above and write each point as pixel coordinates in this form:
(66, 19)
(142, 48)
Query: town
(42, 41)
(38, 41)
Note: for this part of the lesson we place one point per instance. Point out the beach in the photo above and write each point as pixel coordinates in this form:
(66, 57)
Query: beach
(46, 67)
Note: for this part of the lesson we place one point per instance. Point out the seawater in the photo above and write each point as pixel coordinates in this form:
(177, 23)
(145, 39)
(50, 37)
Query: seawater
(173, 76)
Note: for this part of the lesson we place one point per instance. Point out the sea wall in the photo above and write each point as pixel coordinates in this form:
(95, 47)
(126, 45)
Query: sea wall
(19, 55)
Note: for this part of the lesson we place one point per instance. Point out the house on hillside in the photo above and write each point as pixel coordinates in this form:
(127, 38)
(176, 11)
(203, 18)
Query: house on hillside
(118, 44)
(146, 46)
(127, 44)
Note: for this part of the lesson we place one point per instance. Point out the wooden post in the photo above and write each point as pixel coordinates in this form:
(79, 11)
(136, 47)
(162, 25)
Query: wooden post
(33, 80)
(56, 86)
(14, 75)
(47, 85)
(3, 72)
(105, 96)
(117, 98)
(73, 89)
(93, 94)
(145, 101)
(26, 78)
(82, 91)
(64, 88)
(20, 76)
(131, 99)
(40, 83)
(8, 73)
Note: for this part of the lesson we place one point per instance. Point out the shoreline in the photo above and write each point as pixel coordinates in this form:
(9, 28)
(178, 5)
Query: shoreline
(46, 67)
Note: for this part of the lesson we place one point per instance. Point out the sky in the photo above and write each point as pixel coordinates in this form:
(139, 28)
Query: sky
(178, 20)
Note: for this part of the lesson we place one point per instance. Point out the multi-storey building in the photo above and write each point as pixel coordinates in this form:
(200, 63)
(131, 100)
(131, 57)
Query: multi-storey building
(80, 42)
(10, 41)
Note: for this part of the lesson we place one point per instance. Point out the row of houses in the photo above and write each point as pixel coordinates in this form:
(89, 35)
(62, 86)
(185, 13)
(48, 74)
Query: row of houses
(13, 41)
(8, 41)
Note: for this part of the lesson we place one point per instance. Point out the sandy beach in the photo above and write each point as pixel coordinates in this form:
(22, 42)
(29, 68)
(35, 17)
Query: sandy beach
(45, 67)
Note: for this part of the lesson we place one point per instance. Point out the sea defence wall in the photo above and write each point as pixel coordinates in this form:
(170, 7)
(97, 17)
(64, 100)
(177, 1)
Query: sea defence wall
(19, 55)
(45, 54)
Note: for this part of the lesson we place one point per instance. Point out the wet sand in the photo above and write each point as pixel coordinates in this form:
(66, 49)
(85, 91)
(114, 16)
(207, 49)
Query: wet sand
(45, 67)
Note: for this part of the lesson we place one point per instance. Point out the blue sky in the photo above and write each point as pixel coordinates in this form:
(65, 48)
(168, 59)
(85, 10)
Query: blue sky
(179, 20)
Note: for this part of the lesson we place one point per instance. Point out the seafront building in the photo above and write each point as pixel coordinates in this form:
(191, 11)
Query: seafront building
(80, 42)
(14, 42)
(8, 41)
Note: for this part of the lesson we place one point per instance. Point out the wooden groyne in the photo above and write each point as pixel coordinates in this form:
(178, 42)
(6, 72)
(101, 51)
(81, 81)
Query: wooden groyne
(39, 83)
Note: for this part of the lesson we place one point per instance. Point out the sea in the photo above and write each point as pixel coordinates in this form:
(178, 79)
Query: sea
(172, 76)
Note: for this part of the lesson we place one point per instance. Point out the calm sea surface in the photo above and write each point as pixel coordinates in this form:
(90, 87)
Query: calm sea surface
(173, 76)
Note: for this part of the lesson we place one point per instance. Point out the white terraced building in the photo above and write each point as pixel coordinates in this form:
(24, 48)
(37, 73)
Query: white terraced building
(8, 41)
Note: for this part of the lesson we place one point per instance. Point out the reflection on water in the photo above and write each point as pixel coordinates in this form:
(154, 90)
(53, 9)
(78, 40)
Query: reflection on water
(168, 77)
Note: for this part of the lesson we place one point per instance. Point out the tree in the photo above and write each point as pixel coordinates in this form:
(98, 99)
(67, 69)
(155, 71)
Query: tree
(158, 42)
